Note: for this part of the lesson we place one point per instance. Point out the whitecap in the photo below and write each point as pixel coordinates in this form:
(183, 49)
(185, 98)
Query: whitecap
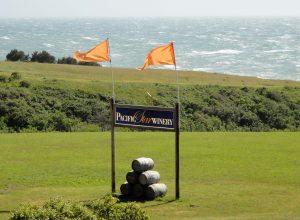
(5, 38)
(74, 42)
(153, 43)
(40, 34)
(200, 36)
(286, 36)
(90, 38)
(223, 63)
(225, 51)
(202, 69)
(277, 51)
(272, 41)
(48, 45)
(116, 55)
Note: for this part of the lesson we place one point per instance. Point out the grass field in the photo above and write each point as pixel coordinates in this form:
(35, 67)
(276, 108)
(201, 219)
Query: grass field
(86, 77)
(223, 175)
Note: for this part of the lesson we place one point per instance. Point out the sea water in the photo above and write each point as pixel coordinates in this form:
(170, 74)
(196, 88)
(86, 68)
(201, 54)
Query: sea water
(261, 47)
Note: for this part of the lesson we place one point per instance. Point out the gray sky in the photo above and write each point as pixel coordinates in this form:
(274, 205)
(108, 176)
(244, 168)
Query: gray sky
(150, 8)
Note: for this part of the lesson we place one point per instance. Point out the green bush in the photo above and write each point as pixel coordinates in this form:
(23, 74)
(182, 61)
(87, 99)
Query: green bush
(14, 76)
(53, 209)
(16, 55)
(203, 108)
(112, 208)
(3, 79)
(67, 60)
(25, 84)
(89, 64)
(107, 208)
(42, 57)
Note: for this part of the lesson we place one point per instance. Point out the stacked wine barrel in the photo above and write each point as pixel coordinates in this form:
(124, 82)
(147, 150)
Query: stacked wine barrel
(142, 181)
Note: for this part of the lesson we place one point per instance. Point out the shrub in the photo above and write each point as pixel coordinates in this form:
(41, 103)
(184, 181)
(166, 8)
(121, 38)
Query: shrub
(107, 208)
(53, 209)
(3, 78)
(3, 126)
(25, 84)
(112, 208)
(62, 123)
(42, 57)
(89, 64)
(67, 60)
(15, 76)
(16, 55)
(203, 108)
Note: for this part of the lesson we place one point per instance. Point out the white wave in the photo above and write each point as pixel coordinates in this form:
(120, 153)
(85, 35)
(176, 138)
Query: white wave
(223, 63)
(202, 69)
(5, 38)
(225, 51)
(40, 34)
(286, 36)
(153, 43)
(74, 42)
(272, 41)
(116, 55)
(90, 38)
(277, 51)
(136, 39)
(48, 45)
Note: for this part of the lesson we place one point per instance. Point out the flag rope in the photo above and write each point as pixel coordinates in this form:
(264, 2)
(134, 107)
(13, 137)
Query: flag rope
(112, 72)
(113, 80)
(177, 82)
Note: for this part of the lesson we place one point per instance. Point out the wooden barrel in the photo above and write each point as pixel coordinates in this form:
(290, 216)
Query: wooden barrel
(142, 164)
(149, 177)
(155, 190)
(132, 177)
(138, 190)
(126, 189)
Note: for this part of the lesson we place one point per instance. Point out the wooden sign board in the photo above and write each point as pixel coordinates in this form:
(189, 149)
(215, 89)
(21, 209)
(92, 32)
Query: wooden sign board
(145, 117)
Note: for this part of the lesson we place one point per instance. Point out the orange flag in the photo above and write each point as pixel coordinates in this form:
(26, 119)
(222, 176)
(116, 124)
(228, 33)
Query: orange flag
(99, 53)
(163, 55)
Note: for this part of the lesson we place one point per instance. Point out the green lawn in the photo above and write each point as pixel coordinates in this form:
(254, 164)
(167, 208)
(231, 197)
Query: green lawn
(90, 78)
(223, 175)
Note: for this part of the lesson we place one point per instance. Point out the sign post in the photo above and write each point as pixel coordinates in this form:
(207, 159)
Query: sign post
(177, 133)
(146, 117)
(113, 147)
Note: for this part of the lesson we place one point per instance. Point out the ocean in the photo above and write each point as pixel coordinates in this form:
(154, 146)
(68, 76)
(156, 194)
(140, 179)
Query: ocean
(261, 47)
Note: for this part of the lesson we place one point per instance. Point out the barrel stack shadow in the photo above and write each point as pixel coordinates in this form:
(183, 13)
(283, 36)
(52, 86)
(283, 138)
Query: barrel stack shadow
(142, 182)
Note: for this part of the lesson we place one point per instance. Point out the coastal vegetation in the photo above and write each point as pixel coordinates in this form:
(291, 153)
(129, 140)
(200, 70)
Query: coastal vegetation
(100, 209)
(35, 97)
(43, 57)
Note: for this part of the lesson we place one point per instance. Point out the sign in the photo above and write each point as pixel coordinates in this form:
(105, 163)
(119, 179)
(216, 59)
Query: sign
(149, 117)
(145, 117)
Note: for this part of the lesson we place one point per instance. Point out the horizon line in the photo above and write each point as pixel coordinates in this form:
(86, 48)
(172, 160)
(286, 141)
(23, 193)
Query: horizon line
(171, 16)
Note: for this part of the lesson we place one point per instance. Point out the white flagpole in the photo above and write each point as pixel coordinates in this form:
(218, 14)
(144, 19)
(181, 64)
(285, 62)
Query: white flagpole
(113, 80)
(112, 74)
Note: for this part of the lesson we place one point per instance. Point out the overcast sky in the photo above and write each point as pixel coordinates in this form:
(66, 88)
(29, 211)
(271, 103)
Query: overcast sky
(147, 8)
